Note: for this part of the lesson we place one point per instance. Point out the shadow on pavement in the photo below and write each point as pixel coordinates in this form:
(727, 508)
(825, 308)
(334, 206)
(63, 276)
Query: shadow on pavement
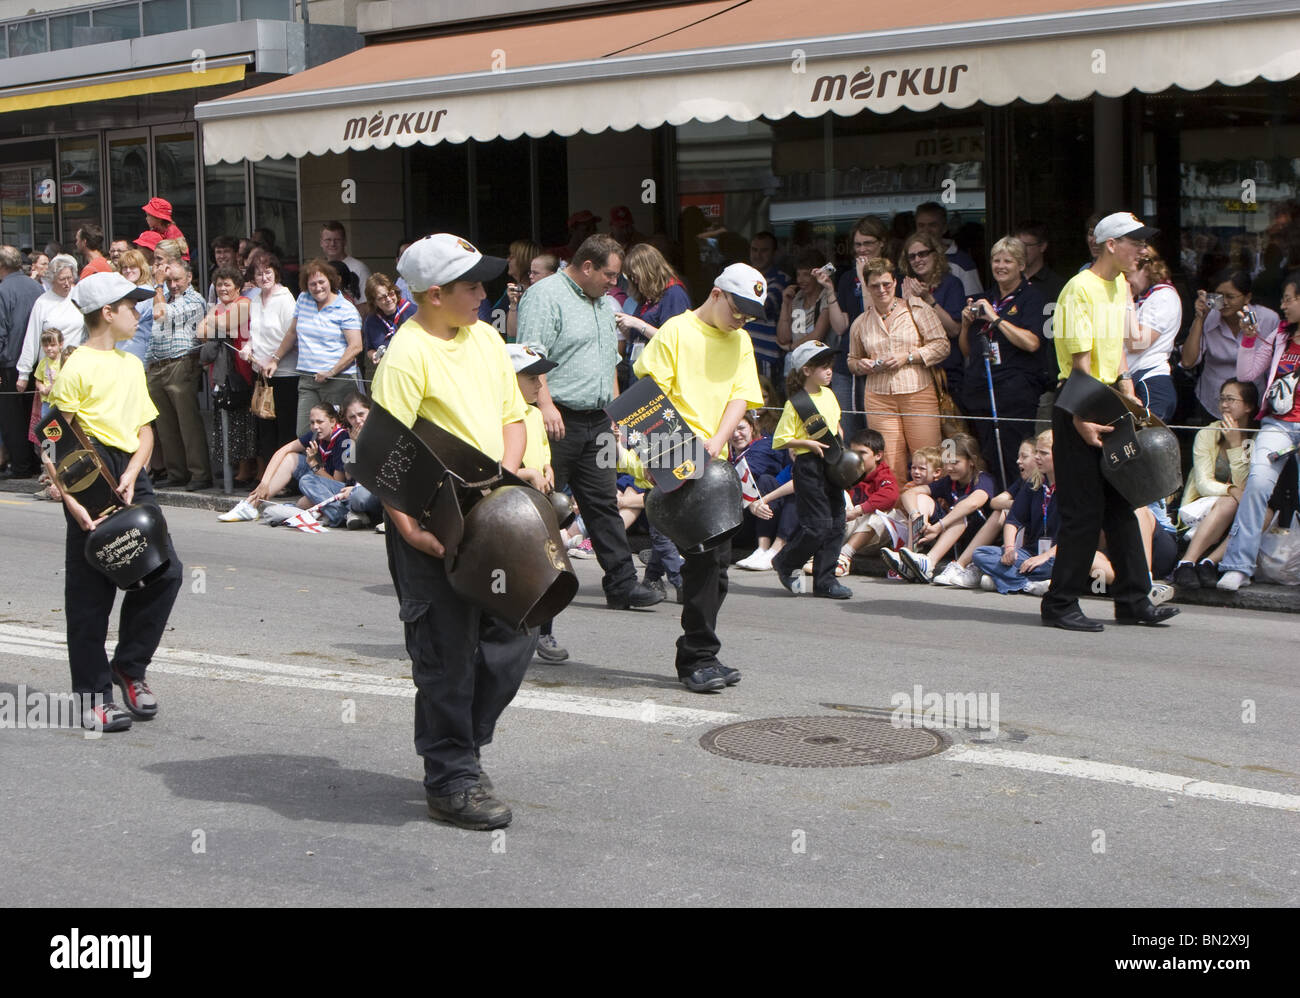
(297, 787)
(397, 652)
(1026, 614)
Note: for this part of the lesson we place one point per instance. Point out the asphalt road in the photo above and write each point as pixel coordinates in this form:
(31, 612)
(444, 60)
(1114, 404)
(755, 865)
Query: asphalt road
(1136, 767)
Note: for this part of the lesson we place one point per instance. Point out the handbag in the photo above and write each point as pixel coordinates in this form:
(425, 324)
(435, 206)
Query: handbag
(263, 406)
(1280, 397)
(950, 417)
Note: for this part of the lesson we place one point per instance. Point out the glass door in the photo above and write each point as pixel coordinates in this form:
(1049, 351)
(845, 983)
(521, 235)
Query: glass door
(129, 171)
(175, 178)
(27, 206)
(80, 187)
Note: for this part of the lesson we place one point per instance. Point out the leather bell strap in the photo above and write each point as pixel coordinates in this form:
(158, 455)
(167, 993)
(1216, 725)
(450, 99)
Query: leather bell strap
(812, 418)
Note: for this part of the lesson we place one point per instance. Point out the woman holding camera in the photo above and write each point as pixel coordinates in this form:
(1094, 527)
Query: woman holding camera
(806, 304)
(1004, 327)
(1227, 333)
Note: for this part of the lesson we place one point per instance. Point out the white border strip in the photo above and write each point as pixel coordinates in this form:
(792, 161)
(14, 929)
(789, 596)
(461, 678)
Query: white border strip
(1129, 776)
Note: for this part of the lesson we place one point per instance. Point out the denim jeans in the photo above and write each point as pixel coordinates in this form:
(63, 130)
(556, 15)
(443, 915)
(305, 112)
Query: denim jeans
(318, 488)
(664, 559)
(362, 500)
(1007, 577)
(1248, 527)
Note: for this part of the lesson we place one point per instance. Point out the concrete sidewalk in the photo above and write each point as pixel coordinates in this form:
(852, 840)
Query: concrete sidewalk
(1276, 599)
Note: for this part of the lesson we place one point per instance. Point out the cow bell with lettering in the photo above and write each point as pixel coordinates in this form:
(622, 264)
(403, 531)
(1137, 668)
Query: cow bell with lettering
(1140, 456)
(703, 513)
(511, 560)
(130, 547)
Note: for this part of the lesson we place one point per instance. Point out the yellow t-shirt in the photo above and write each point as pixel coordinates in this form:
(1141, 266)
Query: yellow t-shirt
(791, 427)
(107, 392)
(47, 370)
(1091, 317)
(630, 464)
(537, 452)
(466, 384)
(701, 369)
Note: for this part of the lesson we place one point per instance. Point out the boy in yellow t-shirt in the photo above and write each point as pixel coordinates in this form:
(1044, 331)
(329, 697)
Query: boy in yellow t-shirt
(530, 364)
(704, 362)
(105, 390)
(819, 501)
(445, 366)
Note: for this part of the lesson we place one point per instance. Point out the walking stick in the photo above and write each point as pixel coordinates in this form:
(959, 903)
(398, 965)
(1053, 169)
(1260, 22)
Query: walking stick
(997, 432)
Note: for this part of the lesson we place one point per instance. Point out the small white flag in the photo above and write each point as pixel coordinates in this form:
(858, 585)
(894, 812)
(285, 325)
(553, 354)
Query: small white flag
(749, 490)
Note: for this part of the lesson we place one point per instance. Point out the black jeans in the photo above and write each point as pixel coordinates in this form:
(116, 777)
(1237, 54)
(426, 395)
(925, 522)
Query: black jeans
(15, 416)
(1089, 504)
(576, 460)
(467, 666)
(821, 523)
(89, 596)
(704, 587)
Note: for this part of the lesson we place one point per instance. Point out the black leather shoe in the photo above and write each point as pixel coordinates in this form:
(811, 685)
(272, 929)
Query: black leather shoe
(1151, 616)
(837, 591)
(199, 486)
(639, 596)
(706, 679)
(472, 808)
(1073, 620)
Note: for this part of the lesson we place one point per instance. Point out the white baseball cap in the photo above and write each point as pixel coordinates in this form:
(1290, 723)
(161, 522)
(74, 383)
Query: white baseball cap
(1120, 224)
(95, 291)
(443, 258)
(809, 352)
(747, 286)
(529, 360)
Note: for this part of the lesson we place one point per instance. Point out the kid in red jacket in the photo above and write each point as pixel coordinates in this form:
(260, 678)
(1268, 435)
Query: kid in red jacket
(871, 518)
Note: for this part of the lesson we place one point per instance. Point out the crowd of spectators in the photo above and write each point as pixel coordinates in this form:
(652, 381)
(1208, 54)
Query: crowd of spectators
(926, 343)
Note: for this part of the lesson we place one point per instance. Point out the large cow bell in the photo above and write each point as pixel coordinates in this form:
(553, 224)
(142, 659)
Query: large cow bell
(846, 470)
(703, 513)
(511, 561)
(130, 547)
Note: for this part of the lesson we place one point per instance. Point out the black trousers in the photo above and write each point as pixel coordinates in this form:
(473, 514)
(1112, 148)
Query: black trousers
(704, 587)
(88, 603)
(577, 461)
(1088, 505)
(821, 523)
(15, 415)
(467, 666)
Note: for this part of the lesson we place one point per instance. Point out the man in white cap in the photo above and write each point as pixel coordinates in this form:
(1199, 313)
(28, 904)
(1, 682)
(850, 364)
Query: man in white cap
(704, 362)
(104, 389)
(1093, 314)
(446, 366)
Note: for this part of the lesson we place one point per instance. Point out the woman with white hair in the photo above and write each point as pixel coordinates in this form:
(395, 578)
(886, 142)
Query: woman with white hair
(53, 310)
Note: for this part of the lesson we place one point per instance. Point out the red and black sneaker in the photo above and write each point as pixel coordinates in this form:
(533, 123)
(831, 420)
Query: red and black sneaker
(136, 695)
(105, 717)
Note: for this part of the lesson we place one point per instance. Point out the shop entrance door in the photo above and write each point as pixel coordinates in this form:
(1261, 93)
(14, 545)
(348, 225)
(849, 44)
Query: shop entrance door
(28, 198)
(129, 170)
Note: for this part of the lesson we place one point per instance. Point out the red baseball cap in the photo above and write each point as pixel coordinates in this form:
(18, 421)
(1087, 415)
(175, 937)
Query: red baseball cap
(159, 208)
(578, 218)
(148, 239)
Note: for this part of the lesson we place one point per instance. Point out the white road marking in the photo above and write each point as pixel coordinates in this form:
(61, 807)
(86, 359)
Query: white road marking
(35, 643)
(1129, 776)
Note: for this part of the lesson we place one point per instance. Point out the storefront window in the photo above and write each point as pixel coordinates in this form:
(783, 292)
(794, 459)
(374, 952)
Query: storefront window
(225, 197)
(1237, 182)
(269, 10)
(175, 179)
(275, 202)
(26, 208)
(439, 188)
(81, 187)
(128, 172)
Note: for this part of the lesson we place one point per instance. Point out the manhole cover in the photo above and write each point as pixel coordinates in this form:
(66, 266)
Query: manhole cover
(809, 742)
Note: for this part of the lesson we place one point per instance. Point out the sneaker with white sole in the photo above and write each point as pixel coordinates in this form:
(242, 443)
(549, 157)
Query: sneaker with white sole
(357, 521)
(136, 696)
(916, 566)
(549, 650)
(1161, 592)
(582, 549)
(987, 584)
(894, 563)
(106, 717)
(962, 578)
(241, 511)
(759, 561)
(1038, 587)
(1232, 581)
